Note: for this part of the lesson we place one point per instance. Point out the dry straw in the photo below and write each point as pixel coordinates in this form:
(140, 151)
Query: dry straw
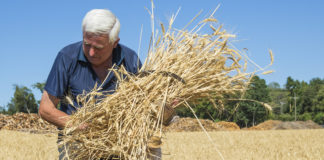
(182, 65)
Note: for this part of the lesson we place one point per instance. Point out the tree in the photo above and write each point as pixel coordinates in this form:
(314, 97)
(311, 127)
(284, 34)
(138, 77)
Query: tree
(250, 112)
(319, 118)
(203, 109)
(305, 96)
(278, 96)
(22, 101)
(291, 85)
(316, 84)
(274, 85)
(2, 110)
(183, 111)
(318, 101)
(39, 86)
(316, 93)
(298, 92)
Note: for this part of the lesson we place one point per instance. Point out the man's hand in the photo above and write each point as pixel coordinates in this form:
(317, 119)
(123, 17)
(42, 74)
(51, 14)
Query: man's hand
(83, 126)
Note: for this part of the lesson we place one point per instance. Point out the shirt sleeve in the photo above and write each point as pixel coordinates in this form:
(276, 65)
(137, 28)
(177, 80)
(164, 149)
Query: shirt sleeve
(57, 81)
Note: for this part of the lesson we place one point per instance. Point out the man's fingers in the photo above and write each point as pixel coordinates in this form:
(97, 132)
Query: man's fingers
(83, 126)
(175, 102)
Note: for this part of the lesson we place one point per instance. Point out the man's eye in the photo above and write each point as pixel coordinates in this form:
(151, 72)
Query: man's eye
(98, 48)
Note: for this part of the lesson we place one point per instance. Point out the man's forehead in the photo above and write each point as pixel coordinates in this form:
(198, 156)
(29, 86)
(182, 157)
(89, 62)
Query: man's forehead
(103, 38)
(89, 35)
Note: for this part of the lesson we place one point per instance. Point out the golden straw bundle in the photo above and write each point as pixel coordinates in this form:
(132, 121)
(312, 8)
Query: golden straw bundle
(182, 65)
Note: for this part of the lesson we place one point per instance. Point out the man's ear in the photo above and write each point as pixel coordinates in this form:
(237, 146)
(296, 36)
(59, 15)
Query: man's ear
(116, 42)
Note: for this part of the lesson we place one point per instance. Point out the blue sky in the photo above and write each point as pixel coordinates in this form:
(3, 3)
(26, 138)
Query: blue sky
(32, 32)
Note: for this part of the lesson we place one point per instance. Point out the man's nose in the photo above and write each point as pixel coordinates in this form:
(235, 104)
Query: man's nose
(92, 51)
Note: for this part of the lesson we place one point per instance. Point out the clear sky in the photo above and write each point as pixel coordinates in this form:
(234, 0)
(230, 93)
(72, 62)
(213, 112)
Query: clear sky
(32, 32)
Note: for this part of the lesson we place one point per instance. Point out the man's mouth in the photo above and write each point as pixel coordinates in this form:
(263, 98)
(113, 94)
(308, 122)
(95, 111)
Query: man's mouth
(94, 58)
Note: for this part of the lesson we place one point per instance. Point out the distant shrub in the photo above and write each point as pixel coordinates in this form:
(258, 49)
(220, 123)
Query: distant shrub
(286, 117)
(319, 118)
(305, 117)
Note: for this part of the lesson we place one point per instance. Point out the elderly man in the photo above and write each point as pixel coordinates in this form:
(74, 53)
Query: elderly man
(79, 66)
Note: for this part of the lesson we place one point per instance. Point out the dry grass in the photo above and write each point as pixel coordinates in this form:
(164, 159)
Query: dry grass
(235, 145)
(271, 144)
(23, 145)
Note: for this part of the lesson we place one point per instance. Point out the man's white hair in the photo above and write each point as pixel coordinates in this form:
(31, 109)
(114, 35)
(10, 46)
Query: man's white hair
(101, 21)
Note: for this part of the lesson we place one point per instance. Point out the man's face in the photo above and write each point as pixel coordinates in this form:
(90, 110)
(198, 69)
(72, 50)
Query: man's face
(97, 48)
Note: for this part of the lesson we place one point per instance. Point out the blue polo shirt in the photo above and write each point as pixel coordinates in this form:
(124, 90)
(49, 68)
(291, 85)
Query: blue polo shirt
(72, 74)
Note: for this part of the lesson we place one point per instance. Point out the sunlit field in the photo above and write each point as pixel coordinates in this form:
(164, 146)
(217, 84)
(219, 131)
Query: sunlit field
(16, 145)
(271, 144)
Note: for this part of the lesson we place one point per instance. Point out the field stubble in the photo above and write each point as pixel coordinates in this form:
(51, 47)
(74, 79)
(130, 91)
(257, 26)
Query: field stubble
(22, 145)
(268, 144)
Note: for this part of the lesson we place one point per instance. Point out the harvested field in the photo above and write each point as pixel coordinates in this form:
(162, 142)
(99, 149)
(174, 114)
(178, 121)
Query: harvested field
(279, 125)
(270, 144)
(183, 140)
(22, 145)
(263, 144)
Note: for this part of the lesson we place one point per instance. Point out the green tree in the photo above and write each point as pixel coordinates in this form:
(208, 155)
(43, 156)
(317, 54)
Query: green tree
(316, 87)
(279, 98)
(305, 96)
(297, 93)
(250, 112)
(319, 118)
(2, 110)
(290, 85)
(183, 111)
(203, 109)
(22, 101)
(39, 86)
(316, 84)
(318, 101)
(274, 85)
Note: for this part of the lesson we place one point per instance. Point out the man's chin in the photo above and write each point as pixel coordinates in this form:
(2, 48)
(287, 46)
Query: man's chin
(95, 63)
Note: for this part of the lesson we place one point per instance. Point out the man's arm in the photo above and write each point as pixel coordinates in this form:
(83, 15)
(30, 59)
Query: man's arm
(49, 112)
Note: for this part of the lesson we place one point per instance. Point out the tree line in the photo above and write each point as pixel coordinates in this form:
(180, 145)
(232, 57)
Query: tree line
(296, 100)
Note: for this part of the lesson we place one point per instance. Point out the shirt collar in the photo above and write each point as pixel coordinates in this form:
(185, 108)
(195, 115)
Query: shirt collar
(82, 57)
(118, 55)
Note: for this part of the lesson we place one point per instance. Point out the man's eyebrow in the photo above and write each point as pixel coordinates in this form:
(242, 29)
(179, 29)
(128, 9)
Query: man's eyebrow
(99, 47)
(96, 46)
